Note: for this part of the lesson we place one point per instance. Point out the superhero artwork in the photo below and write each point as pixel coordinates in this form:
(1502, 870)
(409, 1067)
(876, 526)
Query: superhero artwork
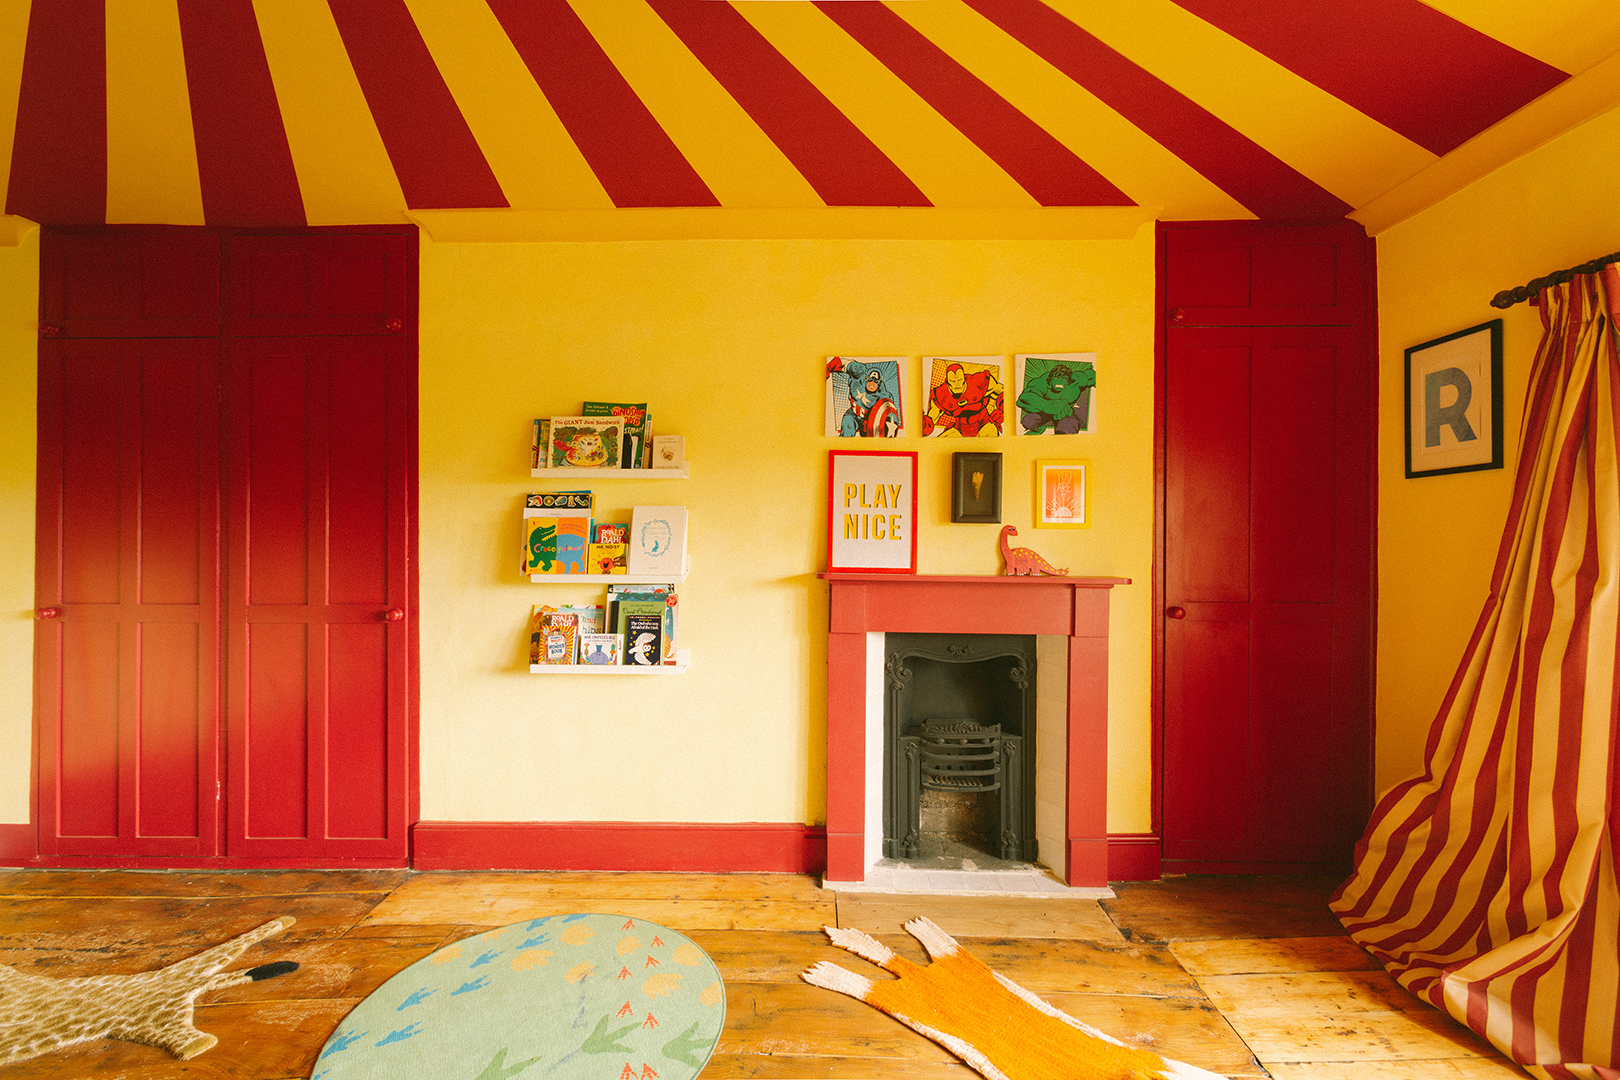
(1056, 393)
(965, 399)
(863, 397)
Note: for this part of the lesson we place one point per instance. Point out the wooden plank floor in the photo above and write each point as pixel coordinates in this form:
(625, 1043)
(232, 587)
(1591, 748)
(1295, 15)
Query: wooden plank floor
(1246, 977)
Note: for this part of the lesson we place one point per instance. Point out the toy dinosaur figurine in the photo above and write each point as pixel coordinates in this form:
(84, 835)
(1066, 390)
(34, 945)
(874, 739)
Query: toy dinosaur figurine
(1023, 560)
(38, 1015)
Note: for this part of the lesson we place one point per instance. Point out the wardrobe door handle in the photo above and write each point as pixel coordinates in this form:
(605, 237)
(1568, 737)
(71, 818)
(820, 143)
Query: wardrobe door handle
(393, 614)
(49, 613)
(1177, 613)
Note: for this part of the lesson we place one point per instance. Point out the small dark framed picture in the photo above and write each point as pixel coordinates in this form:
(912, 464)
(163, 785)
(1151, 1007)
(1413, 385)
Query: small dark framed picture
(976, 487)
(1454, 402)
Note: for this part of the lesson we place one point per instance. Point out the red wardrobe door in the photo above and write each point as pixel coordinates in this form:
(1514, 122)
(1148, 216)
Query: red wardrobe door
(137, 282)
(318, 600)
(331, 283)
(1265, 692)
(1268, 416)
(127, 571)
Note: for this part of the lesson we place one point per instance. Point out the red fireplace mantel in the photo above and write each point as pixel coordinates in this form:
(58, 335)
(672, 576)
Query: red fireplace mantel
(1075, 607)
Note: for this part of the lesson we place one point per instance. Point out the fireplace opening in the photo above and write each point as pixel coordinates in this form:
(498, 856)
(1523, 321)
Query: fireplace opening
(959, 738)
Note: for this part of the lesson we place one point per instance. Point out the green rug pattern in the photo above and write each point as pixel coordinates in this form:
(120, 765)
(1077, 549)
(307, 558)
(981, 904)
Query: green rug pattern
(569, 997)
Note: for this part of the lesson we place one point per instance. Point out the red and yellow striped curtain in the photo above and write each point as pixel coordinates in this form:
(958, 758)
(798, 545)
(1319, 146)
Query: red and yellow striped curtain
(1487, 885)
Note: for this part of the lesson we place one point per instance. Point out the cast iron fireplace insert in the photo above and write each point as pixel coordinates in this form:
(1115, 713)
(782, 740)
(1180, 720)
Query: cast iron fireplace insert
(959, 719)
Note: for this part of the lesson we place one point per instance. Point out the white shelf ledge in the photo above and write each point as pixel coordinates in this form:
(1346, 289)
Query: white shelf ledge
(678, 668)
(566, 475)
(608, 579)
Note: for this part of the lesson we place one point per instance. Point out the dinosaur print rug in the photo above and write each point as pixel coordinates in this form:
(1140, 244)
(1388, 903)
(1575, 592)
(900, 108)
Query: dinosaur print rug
(570, 996)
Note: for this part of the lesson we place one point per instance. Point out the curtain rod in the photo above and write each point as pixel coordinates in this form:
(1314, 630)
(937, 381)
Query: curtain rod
(1508, 297)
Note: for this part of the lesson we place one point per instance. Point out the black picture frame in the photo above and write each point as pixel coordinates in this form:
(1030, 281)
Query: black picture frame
(1444, 379)
(981, 502)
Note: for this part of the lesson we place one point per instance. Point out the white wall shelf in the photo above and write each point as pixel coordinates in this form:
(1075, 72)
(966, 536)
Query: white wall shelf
(678, 668)
(568, 476)
(608, 579)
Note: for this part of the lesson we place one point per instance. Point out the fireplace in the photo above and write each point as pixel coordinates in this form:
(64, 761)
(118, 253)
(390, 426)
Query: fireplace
(863, 606)
(959, 717)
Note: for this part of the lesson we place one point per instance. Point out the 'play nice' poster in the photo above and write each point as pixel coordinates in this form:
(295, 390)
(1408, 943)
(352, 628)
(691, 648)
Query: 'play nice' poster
(872, 512)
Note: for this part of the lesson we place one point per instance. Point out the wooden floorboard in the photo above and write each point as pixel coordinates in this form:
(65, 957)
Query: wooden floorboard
(1246, 977)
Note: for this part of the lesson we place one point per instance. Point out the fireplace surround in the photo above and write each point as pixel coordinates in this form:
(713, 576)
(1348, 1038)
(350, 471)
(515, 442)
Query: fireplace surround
(1073, 607)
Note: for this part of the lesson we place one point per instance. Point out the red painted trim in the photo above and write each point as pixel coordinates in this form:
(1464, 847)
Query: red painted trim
(844, 166)
(698, 847)
(1133, 857)
(19, 844)
(1157, 583)
(240, 863)
(59, 149)
(1435, 80)
(1042, 166)
(243, 160)
(437, 160)
(1233, 162)
(632, 156)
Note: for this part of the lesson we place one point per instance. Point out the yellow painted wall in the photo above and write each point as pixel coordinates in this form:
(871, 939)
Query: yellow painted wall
(19, 333)
(726, 340)
(1555, 207)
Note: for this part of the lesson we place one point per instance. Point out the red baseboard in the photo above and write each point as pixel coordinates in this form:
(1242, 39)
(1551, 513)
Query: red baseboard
(696, 847)
(19, 844)
(1133, 857)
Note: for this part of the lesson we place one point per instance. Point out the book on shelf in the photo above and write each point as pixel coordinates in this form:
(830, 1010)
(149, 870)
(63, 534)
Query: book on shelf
(586, 442)
(591, 617)
(552, 635)
(637, 428)
(643, 639)
(542, 439)
(600, 649)
(607, 559)
(657, 541)
(661, 600)
(611, 532)
(668, 451)
(556, 532)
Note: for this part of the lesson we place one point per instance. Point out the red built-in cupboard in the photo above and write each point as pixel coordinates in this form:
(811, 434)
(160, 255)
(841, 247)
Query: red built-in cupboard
(224, 561)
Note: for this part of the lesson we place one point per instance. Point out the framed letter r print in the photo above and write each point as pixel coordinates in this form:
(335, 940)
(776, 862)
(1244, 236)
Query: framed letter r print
(1454, 402)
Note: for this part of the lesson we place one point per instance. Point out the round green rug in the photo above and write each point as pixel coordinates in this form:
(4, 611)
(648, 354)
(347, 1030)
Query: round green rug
(570, 997)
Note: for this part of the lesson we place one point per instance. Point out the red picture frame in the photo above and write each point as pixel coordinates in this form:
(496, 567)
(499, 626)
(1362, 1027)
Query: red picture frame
(872, 511)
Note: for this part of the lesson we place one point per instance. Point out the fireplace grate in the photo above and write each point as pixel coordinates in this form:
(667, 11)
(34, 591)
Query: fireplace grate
(960, 756)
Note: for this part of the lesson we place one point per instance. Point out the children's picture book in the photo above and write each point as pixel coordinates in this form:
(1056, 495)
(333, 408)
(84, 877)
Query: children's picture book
(600, 649)
(572, 544)
(539, 545)
(635, 427)
(863, 397)
(624, 600)
(536, 649)
(1056, 393)
(657, 541)
(542, 439)
(965, 397)
(586, 442)
(643, 640)
(558, 631)
(607, 559)
(591, 617)
(668, 451)
(556, 528)
(611, 532)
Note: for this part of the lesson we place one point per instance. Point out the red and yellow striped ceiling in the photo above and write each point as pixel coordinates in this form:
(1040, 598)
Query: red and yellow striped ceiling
(291, 112)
